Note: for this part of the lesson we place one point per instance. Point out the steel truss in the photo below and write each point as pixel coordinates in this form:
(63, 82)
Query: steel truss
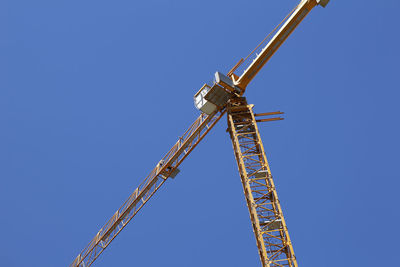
(269, 226)
(164, 169)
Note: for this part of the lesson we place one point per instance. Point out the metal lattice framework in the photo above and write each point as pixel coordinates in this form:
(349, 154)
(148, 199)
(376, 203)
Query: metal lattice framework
(164, 169)
(269, 226)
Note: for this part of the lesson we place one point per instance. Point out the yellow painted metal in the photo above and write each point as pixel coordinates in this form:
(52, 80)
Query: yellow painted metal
(273, 241)
(269, 226)
(182, 148)
(291, 23)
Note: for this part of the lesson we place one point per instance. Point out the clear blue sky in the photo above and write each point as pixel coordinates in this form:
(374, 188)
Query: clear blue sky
(94, 93)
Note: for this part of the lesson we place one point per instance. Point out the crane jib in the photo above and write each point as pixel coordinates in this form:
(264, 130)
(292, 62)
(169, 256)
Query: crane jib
(279, 42)
(157, 177)
(291, 23)
(223, 96)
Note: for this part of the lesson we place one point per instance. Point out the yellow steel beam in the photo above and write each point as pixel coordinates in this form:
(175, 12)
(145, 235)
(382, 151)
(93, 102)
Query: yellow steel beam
(182, 148)
(269, 226)
(291, 23)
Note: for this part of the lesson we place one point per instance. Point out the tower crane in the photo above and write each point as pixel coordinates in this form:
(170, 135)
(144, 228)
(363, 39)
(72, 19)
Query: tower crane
(224, 95)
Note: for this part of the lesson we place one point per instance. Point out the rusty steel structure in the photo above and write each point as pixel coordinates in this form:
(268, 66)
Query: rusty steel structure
(225, 95)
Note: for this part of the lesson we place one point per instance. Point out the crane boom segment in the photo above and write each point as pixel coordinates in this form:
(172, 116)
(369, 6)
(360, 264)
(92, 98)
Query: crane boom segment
(167, 167)
(303, 8)
(269, 226)
(214, 100)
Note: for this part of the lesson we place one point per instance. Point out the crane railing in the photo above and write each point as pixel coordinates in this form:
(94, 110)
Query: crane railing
(164, 169)
(244, 63)
(290, 23)
(167, 167)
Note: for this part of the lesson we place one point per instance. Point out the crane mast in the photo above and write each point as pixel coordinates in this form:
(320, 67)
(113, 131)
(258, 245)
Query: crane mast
(224, 95)
(269, 226)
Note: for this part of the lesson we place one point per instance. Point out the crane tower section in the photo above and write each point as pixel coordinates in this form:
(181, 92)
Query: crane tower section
(269, 226)
(223, 95)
